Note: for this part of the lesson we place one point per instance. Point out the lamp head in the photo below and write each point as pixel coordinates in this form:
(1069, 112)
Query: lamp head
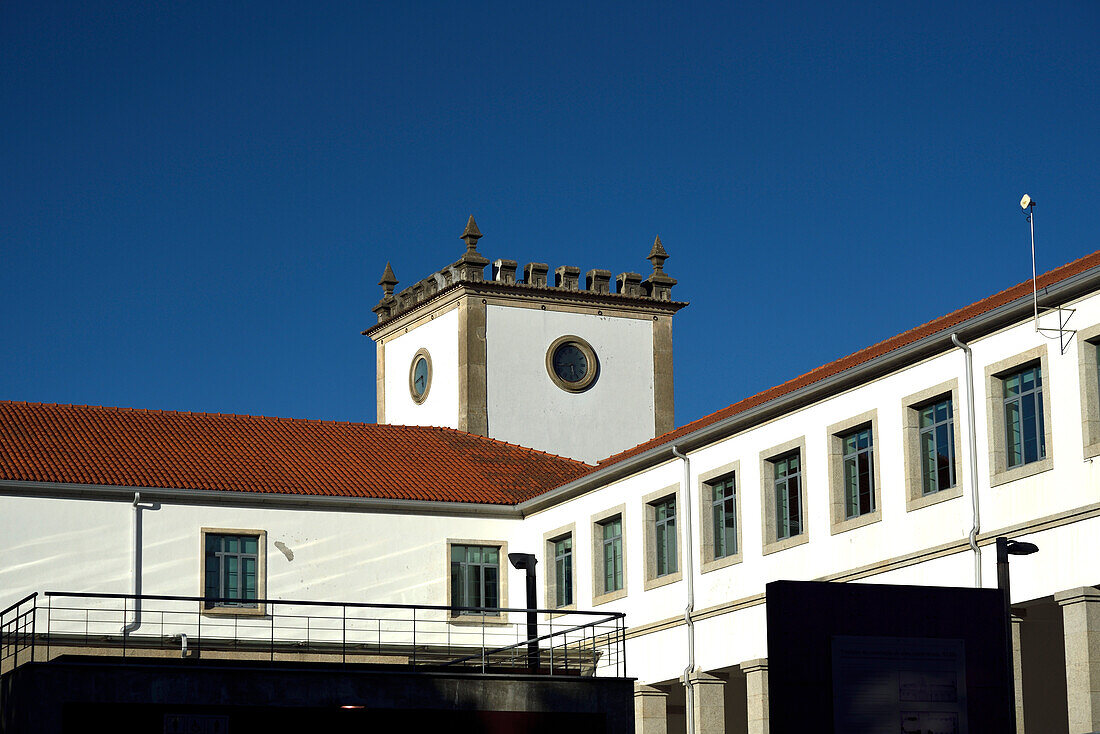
(522, 560)
(1026, 202)
(1021, 548)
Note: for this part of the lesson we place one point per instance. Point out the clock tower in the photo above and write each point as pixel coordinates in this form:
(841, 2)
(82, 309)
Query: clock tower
(582, 372)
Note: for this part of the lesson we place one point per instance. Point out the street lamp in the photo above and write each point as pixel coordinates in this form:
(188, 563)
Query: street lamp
(527, 562)
(1006, 548)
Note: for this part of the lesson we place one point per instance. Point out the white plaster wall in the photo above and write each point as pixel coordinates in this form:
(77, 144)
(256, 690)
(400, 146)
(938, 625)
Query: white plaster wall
(526, 407)
(440, 337)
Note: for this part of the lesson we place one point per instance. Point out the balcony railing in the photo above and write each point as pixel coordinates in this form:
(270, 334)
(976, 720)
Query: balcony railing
(45, 626)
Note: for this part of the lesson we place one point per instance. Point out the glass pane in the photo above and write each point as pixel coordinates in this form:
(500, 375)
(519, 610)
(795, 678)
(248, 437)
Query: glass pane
(1012, 386)
(491, 581)
(213, 543)
(928, 462)
(473, 586)
(794, 501)
(1042, 424)
(1013, 443)
(249, 544)
(457, 598)
(716, 528)
(926, 417)
(249, 578)
(232, 588)
(473, 554)
(490, 555)
(231, 543)
(1030, 424)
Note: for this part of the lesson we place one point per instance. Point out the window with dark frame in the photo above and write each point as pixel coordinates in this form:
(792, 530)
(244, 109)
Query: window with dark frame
(612, 543)
(475, 577)
(232, 567)
(936, 432)
(724, 515)
(1025, 439)
(788, 495)
(859, 473)
(664, 527)
(563, 571)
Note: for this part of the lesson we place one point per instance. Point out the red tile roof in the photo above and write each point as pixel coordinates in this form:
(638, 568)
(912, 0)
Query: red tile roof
(864, 355)
(151, 448)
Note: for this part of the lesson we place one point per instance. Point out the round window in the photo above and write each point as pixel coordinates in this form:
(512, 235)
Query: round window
(572, 364)
(420, 375)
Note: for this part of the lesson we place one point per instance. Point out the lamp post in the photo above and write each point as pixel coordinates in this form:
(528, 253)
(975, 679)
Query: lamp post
(1006, 548)
(527, 562)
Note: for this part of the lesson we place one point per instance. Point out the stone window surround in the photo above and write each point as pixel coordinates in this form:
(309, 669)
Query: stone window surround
(995, 373)
(1087, 344)
(599, 596)
(502, 593)
(649, 515)
(915, 498)
(839, 523)
(260, 610)
(769, 520)
(551, 581)
(707, 560)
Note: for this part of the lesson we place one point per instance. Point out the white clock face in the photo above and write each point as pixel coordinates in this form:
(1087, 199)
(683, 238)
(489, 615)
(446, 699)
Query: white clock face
(572, 364)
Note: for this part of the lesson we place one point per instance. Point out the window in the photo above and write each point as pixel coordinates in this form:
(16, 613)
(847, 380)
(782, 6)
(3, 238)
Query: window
(233, 570)
(788, 496)
(930, 433)
(1088, 357)
(723, 516)
(782, 495)
(854, 472)
(665, 526)
(1023, 400)
(608, 555)
(560, 589)
(662, 562)
(612, 542)
(475, 578)
(937, 447)
(1019, 416)
(859, 475)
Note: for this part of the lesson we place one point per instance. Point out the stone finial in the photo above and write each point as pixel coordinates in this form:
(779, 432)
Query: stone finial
(471, 234)
(597, 281)
(471, 266)
(657, 255)
(504, 271)
(567, 277)
(389, 280)
(658, 285)
(386, 306)
(535, 274)
(629, 284)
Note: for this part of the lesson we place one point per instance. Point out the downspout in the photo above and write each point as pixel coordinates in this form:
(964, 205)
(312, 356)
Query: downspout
(972, 433)
(689, 574)
(135, 569)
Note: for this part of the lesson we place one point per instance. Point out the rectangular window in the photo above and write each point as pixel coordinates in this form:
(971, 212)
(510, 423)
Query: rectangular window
(612, 545)
(232, 570)
(724, 516)
(475, 577)
(563, 571)
(936, 424)
(859, 475)
(665, 535)
(788, 495)
(1025, 431)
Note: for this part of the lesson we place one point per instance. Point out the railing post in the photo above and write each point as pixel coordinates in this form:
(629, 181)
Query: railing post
(483, 644)
(272, 633)
(198, 630)
(344, 634)
(125, 626)
(414, 636)
(34, 614)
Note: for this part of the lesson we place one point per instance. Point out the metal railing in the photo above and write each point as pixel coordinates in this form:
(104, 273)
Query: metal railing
(471, 639)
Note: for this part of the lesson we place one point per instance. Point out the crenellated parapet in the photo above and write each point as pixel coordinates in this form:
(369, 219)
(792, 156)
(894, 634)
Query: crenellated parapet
(470, 269)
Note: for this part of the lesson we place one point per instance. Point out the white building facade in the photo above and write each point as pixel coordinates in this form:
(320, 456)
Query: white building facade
(869, 469)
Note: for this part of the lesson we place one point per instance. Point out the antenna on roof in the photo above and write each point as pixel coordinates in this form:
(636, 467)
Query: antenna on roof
(1062, 333)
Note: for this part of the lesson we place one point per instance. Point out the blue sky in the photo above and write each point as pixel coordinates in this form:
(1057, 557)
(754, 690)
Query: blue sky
(198, 198)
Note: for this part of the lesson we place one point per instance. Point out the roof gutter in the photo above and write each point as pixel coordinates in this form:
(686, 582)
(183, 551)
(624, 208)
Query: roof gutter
(259, 499)
(931, 345)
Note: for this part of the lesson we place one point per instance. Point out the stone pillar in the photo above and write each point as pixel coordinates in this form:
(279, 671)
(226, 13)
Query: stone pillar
(650, 710)
(1018, 673)
(1081, 625)
(709, 704)
(756, 694)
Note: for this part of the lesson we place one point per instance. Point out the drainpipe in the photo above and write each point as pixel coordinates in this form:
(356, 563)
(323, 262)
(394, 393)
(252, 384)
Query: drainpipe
(689, 574)
(135, 568)
(972, 433)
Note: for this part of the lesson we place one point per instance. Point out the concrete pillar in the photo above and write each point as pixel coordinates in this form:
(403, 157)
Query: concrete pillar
(756, 694)
(1081, 626)
(1018, 673)
(650, 710)
(709, 704)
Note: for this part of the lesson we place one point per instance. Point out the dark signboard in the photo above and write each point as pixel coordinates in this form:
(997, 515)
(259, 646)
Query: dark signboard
(874, 658)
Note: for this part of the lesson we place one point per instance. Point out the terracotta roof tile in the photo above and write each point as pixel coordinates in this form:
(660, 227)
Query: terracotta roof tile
(943, 323)
(151, 448)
